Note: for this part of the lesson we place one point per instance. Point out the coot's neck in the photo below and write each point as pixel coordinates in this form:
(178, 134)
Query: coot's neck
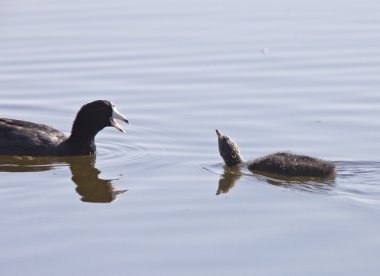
(81, 144)
(81, 140)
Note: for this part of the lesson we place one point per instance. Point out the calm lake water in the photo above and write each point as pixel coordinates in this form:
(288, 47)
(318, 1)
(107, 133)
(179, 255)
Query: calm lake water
(274, 75)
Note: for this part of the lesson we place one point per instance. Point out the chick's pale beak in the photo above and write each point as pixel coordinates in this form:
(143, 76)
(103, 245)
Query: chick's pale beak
(116, 115)
(218, 133)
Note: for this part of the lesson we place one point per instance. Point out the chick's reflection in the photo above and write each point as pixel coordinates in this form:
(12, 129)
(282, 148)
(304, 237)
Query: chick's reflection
(228, 179)
(308, 184)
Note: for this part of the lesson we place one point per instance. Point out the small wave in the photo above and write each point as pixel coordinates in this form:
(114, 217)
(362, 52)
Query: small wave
(114, 154)
(294, 183)
(356, 181)
(108, 155)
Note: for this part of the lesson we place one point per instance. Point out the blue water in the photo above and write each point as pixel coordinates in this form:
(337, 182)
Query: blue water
(273, 75)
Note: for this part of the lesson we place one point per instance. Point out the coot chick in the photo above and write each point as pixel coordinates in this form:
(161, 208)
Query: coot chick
(26, 138)
(282, 163)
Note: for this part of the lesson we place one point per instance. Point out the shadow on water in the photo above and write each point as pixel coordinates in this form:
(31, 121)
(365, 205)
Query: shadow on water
(308, 184)
(85, 176)
(230, 176)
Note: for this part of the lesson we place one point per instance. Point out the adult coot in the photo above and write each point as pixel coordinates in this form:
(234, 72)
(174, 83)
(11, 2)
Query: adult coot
(26, 138)
(282, 163)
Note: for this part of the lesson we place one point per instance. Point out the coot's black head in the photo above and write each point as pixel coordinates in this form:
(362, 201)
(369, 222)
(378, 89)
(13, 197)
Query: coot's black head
(95, 116)
(229, 150)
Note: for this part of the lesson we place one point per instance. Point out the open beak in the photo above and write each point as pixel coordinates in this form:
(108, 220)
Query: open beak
(116, 115)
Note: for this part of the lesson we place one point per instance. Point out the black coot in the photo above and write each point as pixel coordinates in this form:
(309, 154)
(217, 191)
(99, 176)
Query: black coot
(26, 138)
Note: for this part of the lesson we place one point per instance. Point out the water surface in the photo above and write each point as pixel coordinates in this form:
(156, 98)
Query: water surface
(274, 75)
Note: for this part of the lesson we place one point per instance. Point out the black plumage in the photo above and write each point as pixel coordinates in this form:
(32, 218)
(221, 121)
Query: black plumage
(26, 138)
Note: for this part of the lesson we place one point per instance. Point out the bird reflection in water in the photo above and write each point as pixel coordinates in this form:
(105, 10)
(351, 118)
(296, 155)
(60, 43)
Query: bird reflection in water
(89, 185)
(84, 174)
(228, 179)
(230, 176)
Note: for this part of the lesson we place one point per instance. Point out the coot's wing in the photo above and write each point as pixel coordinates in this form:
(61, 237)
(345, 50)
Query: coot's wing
(26, 138)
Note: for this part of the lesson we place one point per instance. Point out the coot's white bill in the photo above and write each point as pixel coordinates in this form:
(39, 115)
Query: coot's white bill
(118, 116)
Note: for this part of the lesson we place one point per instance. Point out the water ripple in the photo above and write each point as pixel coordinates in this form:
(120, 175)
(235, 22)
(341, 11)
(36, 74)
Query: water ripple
(356, 181)
(295, 183)
(118, 153)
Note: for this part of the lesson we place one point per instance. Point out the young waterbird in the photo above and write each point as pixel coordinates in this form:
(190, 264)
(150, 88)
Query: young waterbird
(281, 163)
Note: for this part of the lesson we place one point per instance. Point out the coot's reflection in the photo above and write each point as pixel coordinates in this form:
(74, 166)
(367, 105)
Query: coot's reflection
(230, 176)
(84, 174)
(89, 185)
